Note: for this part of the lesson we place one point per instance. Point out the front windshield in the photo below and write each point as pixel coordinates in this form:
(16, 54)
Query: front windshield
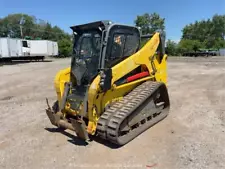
(87, 46)
(85, 61)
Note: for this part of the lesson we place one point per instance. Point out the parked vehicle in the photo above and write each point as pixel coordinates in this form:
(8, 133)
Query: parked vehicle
(22, 49)
(43, 48)
(201, 53)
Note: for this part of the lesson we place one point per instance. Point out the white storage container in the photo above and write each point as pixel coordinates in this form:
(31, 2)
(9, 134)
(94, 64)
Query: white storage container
(19, 47)
(10, 48)
(38, 47)
(43, 48)
(4, 50)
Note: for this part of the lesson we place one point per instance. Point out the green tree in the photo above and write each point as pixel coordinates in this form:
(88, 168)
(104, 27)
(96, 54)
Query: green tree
(210, 33)
(65, 47)
(218, 26)
(149, 23)
(28, 26)
(48, 33)
(34, 28)
(58, 33)
(220, 43)
(10, 25)
(171, 48)
(187, 45)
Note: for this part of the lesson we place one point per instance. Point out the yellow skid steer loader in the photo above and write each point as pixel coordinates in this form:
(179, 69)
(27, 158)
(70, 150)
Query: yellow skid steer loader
(114, 89)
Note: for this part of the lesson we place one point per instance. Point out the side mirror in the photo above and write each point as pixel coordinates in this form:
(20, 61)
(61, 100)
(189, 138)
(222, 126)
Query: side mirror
(106, 79)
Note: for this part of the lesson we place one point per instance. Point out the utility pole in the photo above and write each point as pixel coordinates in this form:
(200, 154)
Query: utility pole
(21, 28)
(21, 31)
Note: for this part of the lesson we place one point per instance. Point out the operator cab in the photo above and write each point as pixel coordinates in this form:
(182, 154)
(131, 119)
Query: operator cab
(100, 45)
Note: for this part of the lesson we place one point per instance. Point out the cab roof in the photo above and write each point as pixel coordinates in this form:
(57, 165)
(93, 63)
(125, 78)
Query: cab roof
(91, 26)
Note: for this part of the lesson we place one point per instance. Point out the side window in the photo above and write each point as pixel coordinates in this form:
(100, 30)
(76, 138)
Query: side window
(117, 47)
(122, 42)
(123, 45)
(131, 45)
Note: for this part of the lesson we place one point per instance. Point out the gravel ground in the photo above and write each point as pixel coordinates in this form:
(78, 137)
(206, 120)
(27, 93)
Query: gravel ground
(192, 136)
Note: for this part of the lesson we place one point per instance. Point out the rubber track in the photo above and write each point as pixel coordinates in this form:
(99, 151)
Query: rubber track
(109, 122)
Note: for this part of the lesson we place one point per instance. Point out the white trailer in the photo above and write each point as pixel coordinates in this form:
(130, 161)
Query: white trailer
(4, 50)
(10, 48)
(43, 48)
(38, 47)
(22, 49)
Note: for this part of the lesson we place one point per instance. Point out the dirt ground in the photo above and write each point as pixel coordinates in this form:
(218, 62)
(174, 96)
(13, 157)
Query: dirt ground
(192, 136)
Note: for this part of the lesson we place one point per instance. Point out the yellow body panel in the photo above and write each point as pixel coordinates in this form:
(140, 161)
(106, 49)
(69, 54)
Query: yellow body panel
(97, 100)
(59, 82)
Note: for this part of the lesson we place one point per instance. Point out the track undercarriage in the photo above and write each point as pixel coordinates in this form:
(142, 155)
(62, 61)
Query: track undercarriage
(139, 110)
